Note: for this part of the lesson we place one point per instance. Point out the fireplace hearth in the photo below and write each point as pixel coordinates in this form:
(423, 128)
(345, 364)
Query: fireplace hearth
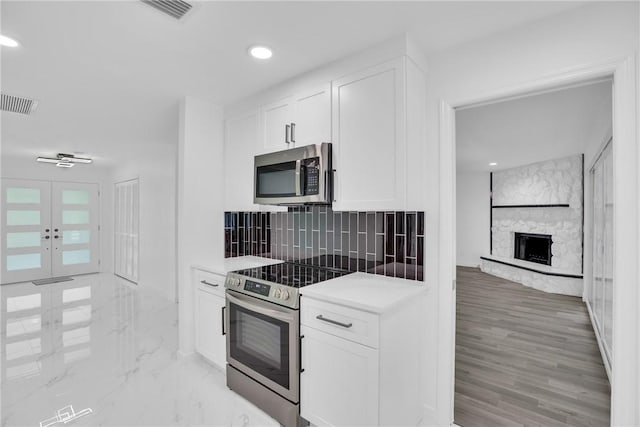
(533, 247)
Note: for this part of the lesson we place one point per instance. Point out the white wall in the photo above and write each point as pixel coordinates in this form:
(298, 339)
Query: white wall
(593, 34)
(155, 167)
(472, 217)
(200, 201)
(21, 167)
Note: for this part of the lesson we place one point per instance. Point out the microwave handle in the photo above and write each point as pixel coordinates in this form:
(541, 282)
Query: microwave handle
(300, 178)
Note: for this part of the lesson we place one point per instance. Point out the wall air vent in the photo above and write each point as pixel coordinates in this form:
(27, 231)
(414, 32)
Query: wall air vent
(18, 104)
(174, 8)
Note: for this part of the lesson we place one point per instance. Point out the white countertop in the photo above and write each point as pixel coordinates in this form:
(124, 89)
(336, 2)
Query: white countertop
(369, 292)
(237, 263)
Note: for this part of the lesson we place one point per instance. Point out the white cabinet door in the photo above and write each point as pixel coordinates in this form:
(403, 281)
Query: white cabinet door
(339, 385)
(368, 109)
(209, 339)
(312, 118)
(241, 144)
(276, 124)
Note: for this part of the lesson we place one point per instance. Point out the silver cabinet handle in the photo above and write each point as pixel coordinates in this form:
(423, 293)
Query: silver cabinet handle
(334, 322)
(293, 132)
(204, 282)
(287, 129)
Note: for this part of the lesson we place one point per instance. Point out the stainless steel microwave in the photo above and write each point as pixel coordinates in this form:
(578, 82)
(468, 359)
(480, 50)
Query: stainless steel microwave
(297, 176)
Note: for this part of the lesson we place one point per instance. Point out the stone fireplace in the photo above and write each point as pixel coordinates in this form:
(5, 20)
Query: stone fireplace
(537, 225)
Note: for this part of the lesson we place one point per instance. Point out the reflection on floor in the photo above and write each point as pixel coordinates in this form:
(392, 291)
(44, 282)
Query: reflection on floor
(103, 344)
(525, 357)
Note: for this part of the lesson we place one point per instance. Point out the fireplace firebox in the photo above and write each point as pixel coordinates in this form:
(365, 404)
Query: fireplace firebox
(533, 247)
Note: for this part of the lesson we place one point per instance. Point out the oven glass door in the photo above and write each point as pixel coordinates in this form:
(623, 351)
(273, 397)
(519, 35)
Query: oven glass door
(277, 180)
(262, 340)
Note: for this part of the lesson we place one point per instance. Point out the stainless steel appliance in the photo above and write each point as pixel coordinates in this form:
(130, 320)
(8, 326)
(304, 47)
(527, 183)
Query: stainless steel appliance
(262, 323)
(296, 176)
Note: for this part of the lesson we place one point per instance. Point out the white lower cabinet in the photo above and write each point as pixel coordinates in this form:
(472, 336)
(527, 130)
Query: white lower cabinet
(360, 368)
(210, 302)
(339, 382)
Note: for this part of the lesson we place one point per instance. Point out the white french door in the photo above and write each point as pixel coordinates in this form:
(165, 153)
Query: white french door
(49, 229)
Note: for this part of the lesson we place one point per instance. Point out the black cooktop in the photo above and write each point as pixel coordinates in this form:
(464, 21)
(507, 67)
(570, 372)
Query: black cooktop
(293, 274)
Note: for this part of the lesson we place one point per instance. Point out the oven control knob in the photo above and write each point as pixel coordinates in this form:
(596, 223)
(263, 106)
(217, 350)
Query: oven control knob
(285, 295)
(236, 282)
(277, 293)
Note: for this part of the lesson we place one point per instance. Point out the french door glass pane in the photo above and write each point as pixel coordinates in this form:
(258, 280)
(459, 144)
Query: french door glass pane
(75, 197)
(76, 336)
(74, 237)
(23, 302)
(76, 294)
(82, 256)
(22, 217)
(73, 356)
(75, 217)
(23, 195)
(76, 315)
(24, 370)
(25, 348)
(23, 262)
(23, 240)
(25, 325)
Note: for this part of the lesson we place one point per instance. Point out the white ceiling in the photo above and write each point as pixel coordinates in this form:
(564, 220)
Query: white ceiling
(110, 73)
(532, 129)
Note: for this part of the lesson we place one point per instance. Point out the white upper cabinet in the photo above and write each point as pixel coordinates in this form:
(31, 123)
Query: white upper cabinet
(276, 123)
(241, 143)
(371, 106)
(301, 119)
(369, 138)
(312, 116)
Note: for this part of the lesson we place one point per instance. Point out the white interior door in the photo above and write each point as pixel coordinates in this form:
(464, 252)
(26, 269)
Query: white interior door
(75, 220)
(126, 229)
(26, 230)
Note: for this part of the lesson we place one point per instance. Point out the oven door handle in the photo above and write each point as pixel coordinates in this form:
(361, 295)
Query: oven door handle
(223, 319)
(253, 305)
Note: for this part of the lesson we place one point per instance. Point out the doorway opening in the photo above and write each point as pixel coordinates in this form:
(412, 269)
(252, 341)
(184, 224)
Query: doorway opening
(528, 347)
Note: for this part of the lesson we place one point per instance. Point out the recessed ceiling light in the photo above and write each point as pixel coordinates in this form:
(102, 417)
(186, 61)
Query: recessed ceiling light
(7, 41)
(493, 164)
(260, 52)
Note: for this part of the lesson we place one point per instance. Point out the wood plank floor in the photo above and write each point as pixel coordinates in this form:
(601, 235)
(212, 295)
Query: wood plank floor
(525, 357)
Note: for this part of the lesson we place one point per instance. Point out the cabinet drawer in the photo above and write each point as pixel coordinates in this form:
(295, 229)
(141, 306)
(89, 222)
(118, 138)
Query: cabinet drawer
(210, 282)
(351, 324)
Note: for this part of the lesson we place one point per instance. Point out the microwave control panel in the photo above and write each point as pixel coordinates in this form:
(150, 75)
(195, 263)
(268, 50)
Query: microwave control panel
(312, 176)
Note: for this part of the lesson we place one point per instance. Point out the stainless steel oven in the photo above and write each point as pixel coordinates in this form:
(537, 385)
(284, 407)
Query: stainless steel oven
(263, 354)
(296, 176)
(262, 324)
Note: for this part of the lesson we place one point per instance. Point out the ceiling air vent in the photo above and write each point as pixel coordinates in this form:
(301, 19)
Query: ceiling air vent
(18, 104)
(174, 8)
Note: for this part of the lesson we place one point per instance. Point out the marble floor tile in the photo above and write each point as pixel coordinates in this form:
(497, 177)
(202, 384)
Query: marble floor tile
(102, 343)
